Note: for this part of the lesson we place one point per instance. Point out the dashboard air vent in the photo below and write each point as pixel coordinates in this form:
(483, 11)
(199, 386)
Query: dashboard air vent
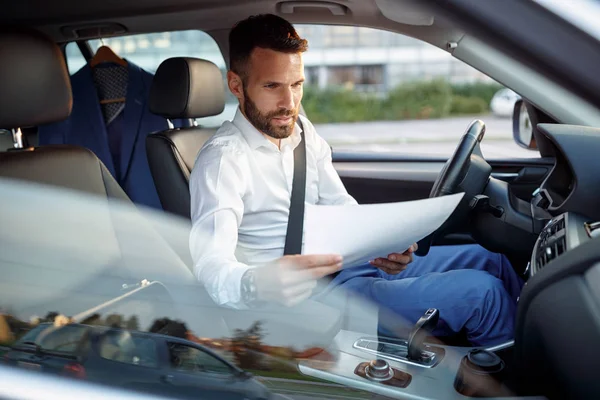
(553, 243)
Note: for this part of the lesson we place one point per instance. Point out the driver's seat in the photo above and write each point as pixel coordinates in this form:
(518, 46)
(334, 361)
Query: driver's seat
(182, 87)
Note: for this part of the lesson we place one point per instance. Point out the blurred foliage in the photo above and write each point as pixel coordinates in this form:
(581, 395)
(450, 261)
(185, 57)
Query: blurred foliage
(415, 100)
(461, 105)
(418, 100)
(484, 91)
(246, 346)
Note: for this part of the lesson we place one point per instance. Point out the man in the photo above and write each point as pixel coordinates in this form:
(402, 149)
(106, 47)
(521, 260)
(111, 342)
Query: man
(240, 193)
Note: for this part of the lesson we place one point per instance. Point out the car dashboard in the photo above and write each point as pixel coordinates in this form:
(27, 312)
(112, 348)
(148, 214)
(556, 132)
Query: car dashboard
(560, 235)
(555, 351)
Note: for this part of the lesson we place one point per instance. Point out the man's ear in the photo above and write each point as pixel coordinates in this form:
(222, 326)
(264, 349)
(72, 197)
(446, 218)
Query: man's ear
(234, 81)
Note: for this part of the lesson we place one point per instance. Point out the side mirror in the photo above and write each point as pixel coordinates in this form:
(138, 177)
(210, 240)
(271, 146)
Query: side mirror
(522, 127)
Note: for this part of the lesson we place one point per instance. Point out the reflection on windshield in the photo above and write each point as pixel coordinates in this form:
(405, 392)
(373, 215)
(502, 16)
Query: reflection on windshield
(74, 266)
(86, 282)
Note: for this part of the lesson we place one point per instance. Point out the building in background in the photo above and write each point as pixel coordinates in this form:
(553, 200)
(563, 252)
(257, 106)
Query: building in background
(373, 60)
(363, 59)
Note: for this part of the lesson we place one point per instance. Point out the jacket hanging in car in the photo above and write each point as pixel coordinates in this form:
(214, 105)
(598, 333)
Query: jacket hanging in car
(124, 152)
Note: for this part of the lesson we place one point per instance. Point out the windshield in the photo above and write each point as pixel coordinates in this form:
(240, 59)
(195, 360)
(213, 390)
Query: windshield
(65, 339)
(335, 226)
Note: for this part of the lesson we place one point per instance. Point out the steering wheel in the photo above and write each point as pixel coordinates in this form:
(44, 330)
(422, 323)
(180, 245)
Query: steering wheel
(465, 172)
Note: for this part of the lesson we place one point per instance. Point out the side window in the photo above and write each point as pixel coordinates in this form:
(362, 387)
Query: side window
(378, 91)
(191, 359)
(122, 346)
(149, 50)
(67, 339)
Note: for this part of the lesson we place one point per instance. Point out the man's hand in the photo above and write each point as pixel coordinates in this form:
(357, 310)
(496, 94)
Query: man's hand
(291, 279)
(395, 262)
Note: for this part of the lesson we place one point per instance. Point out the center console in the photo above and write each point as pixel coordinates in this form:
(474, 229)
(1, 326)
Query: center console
(387, 372)
(412, 369)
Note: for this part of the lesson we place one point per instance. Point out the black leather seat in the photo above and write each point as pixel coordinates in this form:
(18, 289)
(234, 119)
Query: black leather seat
(182, 88)
(36, 90)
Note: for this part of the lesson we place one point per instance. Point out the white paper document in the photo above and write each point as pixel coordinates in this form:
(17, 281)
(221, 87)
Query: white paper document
(361, 233)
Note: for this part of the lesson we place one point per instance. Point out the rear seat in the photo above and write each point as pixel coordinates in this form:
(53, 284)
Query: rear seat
(74, 247)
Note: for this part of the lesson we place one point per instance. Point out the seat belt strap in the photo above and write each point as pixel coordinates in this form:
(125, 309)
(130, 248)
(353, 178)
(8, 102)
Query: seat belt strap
(295, 228)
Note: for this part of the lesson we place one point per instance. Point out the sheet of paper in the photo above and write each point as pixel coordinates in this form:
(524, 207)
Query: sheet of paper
(361, 233)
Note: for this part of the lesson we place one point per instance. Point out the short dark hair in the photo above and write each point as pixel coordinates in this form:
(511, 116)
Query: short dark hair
(266, 31)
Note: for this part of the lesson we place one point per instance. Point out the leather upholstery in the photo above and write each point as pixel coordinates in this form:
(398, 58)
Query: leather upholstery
(171, 155)
(35, 82)
(70, 167)
(36, 90)
(185, 87)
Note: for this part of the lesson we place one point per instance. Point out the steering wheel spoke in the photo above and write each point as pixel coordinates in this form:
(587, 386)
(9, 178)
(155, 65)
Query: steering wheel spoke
(465, 172)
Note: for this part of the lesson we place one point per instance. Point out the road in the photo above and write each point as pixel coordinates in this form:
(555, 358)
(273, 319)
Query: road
(437, 137)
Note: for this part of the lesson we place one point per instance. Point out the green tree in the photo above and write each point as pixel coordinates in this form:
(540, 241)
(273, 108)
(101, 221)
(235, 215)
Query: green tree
(133, 323)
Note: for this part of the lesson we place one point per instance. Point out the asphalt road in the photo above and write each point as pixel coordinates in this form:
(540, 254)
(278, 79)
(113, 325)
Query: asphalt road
(437, 137)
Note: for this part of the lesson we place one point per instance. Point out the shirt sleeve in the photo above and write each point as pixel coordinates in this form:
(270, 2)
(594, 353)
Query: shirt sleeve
(217, 187)
(331, 188)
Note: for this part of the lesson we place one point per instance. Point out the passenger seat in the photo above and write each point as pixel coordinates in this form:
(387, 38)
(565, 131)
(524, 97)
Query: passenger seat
(182, 88)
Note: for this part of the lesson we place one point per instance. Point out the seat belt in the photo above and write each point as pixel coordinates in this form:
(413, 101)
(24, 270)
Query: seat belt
(295, 228)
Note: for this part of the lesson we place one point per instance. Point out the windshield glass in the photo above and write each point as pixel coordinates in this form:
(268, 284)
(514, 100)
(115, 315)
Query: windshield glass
(335, 226)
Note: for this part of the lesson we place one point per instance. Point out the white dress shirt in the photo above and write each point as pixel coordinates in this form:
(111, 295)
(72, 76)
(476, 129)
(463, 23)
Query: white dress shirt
(240, 190)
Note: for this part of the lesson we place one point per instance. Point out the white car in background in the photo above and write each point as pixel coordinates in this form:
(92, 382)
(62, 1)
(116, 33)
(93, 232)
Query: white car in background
(503, 102)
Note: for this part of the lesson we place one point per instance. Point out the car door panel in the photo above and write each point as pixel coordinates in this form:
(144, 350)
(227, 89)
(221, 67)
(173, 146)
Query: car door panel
(376, 178)
(379, 178)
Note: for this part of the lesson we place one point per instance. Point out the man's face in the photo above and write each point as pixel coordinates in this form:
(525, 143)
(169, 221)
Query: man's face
(272, 91)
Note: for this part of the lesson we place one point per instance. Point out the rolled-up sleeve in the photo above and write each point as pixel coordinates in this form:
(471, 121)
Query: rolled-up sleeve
(217, 187)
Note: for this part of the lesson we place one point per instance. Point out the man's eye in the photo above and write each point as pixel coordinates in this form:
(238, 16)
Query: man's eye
(271, 86)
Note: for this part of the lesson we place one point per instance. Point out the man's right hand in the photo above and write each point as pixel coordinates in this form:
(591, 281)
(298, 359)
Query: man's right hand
(291, 279)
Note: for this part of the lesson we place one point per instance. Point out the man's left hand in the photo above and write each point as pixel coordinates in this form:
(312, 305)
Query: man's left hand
(395, 262)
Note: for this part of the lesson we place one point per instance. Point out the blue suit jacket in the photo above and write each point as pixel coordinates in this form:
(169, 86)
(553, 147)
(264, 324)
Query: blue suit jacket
(85, 127)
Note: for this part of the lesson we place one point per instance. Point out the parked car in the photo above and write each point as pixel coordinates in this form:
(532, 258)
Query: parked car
(503, 102)
(144, 361)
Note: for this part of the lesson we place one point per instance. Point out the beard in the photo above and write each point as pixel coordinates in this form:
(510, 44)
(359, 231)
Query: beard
(263, 122)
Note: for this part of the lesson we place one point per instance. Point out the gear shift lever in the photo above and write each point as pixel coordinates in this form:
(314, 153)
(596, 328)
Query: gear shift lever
(424, 325)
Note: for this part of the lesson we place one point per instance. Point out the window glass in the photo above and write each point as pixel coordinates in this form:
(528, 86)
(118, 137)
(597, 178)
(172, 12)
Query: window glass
(122, 346)
(65, 339)
(400, 94)
(149, 50)
(191, 359)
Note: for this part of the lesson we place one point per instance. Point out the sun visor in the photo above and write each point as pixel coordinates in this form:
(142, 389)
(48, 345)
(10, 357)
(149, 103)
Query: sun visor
(404, 12)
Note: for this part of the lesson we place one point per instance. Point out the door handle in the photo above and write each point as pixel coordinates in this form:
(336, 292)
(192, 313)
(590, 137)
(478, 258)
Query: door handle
(167, 378)
(531, 174)
(525, 175)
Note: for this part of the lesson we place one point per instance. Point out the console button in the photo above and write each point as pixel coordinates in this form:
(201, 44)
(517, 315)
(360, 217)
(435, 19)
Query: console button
(379, 369)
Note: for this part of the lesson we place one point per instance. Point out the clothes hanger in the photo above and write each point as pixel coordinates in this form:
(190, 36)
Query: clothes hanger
(106, 55)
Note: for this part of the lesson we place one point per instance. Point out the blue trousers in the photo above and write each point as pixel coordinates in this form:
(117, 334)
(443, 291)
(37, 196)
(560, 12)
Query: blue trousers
(475, 291)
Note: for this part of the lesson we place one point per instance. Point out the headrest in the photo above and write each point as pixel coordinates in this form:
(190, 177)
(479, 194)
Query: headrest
(35, 83)
(186, 87)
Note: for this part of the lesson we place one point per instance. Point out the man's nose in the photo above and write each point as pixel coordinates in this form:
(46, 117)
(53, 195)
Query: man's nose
(287, 99)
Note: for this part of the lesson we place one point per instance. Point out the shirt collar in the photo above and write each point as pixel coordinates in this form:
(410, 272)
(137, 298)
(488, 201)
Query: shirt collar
(256, 139)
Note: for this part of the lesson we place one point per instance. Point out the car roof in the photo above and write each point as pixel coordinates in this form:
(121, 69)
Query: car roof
(61, 18)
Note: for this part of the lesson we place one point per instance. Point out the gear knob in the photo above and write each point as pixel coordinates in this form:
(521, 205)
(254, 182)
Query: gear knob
(424, 325)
